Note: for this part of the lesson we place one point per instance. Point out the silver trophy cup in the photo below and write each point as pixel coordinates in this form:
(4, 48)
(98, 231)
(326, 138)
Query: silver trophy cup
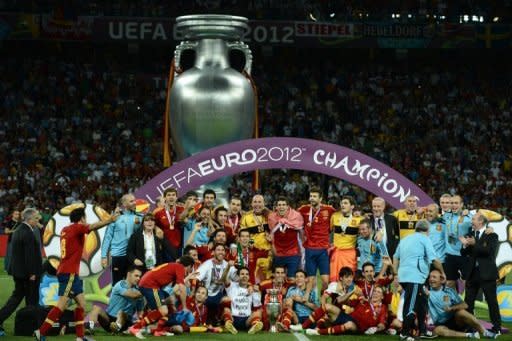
(211, 103)
(273, 308)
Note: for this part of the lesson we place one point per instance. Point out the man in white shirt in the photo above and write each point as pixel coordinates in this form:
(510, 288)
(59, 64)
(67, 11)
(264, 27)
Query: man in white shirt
(240, 315)
(213, 273)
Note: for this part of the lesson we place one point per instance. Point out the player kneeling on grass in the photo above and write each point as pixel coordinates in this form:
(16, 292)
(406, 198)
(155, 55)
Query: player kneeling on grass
(240, 315)
(194, 320)
(448, 311)
(342, 292)
(72, 240)
(151, 286)
(125, 301)
(369, 317)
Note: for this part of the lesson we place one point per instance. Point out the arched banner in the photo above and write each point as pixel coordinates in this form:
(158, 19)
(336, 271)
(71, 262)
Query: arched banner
(290, 153)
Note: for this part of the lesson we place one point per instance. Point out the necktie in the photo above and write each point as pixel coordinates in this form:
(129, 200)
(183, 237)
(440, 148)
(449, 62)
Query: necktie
(477, 235)
(379, 222)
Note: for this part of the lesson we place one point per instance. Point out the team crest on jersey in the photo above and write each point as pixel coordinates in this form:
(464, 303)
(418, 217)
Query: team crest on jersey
(439, 227)
(446, 298)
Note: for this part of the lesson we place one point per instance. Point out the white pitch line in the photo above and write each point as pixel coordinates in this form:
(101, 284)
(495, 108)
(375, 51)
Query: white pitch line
(301, 337)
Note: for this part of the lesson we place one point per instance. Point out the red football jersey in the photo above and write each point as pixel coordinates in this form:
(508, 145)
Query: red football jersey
(317, 226)
(163, 275)
(72, 241)
(286, 242)
(204, 253)
(247, 258)
(167, 218)
(367, 288)
(230, 233)
(200, 312)
(234, 222)
(269, 284)
(367, 316)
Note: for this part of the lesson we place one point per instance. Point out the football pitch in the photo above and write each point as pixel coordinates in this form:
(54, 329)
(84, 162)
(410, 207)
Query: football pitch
(7, 285)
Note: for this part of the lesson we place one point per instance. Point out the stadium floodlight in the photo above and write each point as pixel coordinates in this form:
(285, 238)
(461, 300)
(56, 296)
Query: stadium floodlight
(496, 19)
(312, 17)
(481, 19)
(409, 16)
(474, 18)
(332, 15)
(466, 17)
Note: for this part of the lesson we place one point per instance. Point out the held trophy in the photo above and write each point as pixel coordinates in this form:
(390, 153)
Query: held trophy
(211, 103)
(273, 308)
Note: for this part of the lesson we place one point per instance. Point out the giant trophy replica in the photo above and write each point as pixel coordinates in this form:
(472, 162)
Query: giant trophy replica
(211, 103)
(273, 307)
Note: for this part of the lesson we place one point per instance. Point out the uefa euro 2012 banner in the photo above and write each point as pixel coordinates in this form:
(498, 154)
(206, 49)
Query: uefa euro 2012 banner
(244, 156)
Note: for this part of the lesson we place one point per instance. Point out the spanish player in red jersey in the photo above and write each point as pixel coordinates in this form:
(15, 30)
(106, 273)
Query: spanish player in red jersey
(168, 218)
(317, 228)
(72, 241)
(285, 227)
(151, 286)
(244, 255)
(281, 283)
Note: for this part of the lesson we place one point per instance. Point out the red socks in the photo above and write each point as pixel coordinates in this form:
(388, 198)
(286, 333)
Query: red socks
(286, 318)
(51, 318)
(226, 316)
(255, 320)
(150, 317)
(315, 316)
(79, 322)
(336, 330)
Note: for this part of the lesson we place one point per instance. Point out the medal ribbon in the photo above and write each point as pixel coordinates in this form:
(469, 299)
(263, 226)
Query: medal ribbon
(170, 217)
(373, 310)
(235, 224)
(366, 291)
(257, 220)
(200, 314)
(311, 217)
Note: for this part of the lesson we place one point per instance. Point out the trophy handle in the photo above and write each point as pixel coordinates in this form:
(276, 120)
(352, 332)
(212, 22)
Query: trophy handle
(184, 45)
(238, 45)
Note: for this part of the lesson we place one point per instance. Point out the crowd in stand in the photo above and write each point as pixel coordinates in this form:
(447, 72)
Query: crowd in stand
(84, 128)
(354, 10)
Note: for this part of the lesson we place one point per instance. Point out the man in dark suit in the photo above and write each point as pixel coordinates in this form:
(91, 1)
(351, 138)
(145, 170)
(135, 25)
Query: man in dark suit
(26, 265)
(385, 225)
(480, 249)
